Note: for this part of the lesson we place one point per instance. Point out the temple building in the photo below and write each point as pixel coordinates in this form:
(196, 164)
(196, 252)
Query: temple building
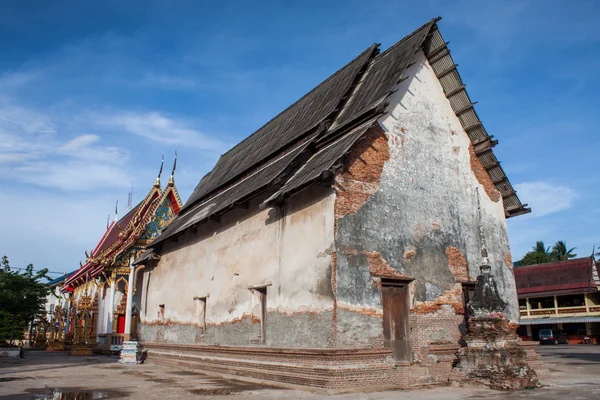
(105, 291)
(560, 296)
(337, 246)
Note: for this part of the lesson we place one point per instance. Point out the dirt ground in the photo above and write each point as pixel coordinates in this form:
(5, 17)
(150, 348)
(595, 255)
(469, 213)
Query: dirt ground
(573, 373)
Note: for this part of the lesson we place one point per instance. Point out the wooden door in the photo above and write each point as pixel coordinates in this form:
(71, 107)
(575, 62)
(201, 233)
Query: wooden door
(396, 310)
(121, 323)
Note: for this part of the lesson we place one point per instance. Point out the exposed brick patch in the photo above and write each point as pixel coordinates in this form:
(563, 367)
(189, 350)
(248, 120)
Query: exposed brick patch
(508, 260)
(361, 173)
(363, 311)
(451, 297)
(379, 267)
(483, 177)
(410, 253)
(457, 263)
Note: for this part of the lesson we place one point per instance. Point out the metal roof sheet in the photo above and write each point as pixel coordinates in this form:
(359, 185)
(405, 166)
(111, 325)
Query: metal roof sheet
(295, 121)
(552, 277)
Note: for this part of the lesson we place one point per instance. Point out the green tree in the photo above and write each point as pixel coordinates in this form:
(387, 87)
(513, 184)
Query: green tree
(541, 248)
(535, 257)
(561, 252)
(539, 254)
(22, 298)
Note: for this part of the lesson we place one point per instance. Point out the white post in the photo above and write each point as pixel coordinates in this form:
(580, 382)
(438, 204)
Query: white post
(129, 300)
(111, 307)
(99, 317)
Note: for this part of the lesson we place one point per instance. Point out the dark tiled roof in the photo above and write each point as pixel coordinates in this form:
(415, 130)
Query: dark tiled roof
(229, 196)
(321, 161)
(569, 276)
(345, 100)
(301, 117)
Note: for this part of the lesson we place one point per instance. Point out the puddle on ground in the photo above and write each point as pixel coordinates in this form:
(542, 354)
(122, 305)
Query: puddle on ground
(14, 378)
(212, 391)
(161, 380)
(76, 394)
(185, 373)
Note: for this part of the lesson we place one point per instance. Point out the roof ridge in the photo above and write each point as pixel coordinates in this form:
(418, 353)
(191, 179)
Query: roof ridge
(371, 48)
(404, 39)
(557, 262)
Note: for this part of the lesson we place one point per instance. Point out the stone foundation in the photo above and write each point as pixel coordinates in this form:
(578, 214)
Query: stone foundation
(81, 350)
(325, 370)
(495, 357)
(55, 345)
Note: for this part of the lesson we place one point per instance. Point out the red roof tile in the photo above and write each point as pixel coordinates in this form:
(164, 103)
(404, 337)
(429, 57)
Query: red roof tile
(552, 277)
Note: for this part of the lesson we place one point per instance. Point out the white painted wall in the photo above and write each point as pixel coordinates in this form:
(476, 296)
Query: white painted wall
(248, 248)
(429, 147)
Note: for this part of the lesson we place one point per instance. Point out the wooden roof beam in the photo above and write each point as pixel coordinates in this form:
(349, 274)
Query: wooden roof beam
(455, 90)
(447, 71)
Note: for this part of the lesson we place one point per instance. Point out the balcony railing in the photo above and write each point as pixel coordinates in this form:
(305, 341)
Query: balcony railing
(559, 311)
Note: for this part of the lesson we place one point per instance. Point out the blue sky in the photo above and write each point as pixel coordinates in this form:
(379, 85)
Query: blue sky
(92, 93)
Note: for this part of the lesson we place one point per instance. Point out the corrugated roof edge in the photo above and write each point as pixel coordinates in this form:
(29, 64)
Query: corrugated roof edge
(556, 263)
(438, 56)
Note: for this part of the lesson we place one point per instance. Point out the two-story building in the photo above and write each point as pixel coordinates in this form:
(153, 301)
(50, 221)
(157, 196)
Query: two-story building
(562, 295)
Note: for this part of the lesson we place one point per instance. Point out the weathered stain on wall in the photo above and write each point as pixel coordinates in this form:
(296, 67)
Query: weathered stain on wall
(403, 206)
(288, 248)
(423, 218)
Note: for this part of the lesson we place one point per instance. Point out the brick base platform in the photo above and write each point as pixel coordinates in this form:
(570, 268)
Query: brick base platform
(327, 370)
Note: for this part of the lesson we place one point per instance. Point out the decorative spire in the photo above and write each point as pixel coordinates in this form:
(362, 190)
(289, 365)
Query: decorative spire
(107, 221)
(86, 255)
(172, 177)
(484, 252)
(162, 163)
(117, 210)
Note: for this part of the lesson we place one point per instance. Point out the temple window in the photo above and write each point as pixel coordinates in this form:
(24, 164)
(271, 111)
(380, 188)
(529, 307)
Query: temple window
(200, 311)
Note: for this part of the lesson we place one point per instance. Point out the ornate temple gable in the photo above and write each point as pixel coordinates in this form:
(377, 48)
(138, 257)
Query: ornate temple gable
(167, 208)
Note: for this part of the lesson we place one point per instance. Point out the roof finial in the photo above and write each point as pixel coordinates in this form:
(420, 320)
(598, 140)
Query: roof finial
(172, 178)
(157, 184)
(117, 210)
(107, 221)
(484, 253)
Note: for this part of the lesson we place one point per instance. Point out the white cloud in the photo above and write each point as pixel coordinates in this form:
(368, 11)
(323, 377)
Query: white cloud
(545, 198)
(160, 128)
(32, 152)
(78, 143)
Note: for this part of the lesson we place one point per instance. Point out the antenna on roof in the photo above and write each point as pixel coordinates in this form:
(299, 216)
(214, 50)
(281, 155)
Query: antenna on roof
(130, 198)
(172, 177)
(162, 163)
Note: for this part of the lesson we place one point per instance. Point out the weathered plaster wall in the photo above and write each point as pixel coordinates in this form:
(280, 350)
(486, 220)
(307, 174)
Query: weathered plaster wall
(288, 248)
(415, 215)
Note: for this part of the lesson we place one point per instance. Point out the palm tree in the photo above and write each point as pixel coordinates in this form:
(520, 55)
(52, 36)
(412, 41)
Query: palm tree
(540, 247)
(559, 250)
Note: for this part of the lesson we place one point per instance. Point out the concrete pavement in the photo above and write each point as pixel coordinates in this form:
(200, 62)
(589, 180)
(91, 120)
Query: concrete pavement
(573, 372)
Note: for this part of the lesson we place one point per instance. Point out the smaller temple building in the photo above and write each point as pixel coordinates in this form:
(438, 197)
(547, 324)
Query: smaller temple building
(105, 290)
(562, 295)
